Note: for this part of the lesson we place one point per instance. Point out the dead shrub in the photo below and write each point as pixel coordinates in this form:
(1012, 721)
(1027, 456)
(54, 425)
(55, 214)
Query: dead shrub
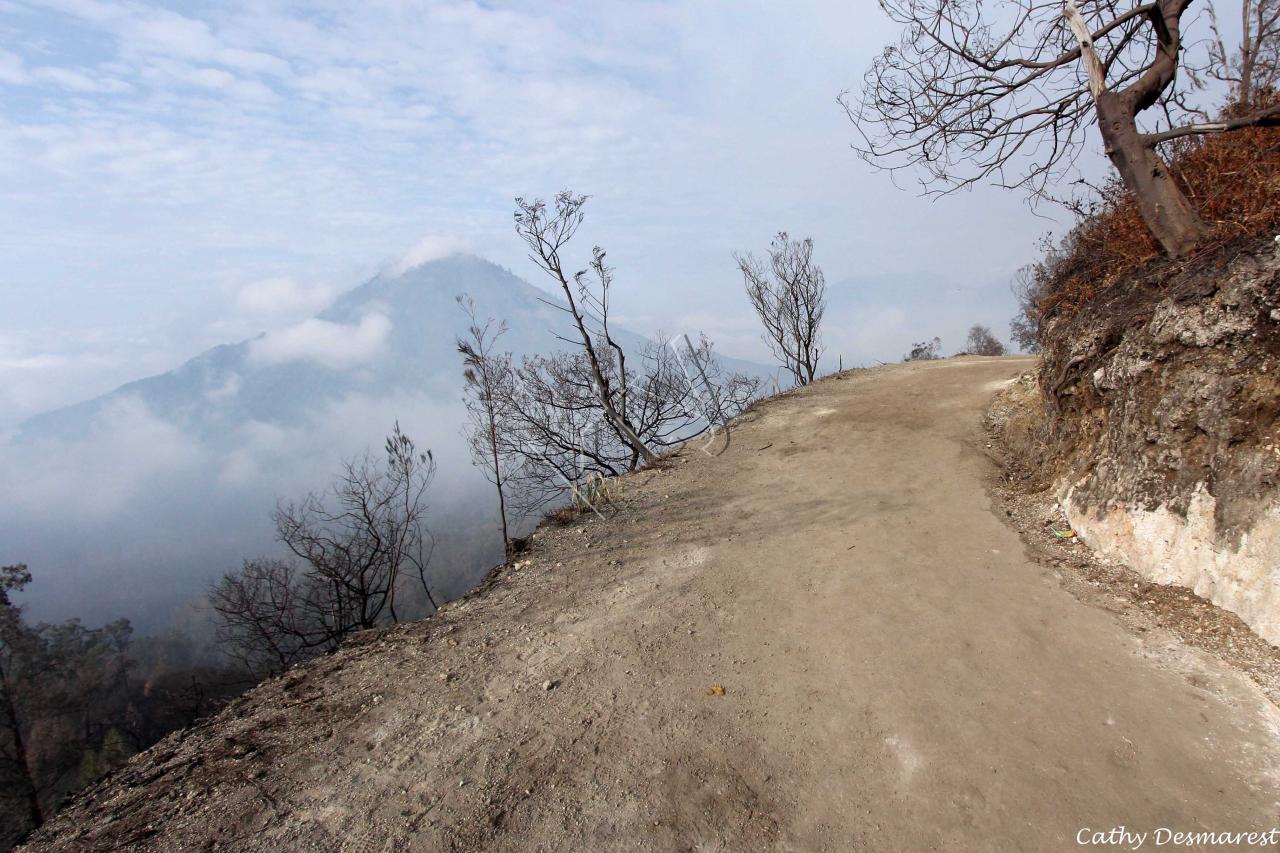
(563, 515)
(1232, 179)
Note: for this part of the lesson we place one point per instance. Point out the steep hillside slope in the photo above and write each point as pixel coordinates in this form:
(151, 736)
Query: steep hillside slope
(821, 638)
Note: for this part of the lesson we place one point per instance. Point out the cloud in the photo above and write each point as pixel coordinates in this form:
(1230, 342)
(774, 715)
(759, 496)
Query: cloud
(275, 297)
(429, 248)
(127, 454)
(334, 345)
(260, 448)
(39, 361)
(163, 72)
(43, 367)
(169, 33)
(280, 459)
(78, 81)
(229, 388)
(11, 69)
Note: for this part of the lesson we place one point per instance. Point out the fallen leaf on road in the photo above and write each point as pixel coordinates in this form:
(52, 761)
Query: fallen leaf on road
(715, 690)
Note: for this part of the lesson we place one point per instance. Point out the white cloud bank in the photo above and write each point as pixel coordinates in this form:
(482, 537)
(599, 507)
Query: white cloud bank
(335, 345)
(428, 249)
(276, 297)
(128, 454)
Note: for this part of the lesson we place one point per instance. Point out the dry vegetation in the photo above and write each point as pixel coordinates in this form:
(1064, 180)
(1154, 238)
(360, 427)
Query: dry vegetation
(1233, 180)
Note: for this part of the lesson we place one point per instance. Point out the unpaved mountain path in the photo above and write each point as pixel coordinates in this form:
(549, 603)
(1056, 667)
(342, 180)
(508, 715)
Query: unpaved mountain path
(897, 676)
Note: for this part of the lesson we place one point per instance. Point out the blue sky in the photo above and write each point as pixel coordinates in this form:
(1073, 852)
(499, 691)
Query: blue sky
(177, 176)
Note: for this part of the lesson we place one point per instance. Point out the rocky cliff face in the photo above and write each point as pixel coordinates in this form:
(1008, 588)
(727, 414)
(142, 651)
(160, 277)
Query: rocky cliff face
(1161, 400)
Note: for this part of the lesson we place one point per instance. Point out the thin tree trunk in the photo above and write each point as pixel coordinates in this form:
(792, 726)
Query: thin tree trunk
(619, 422)
(1246, 51)
(497, 476)
(597, 374)
(1164, 208)
(31, 794)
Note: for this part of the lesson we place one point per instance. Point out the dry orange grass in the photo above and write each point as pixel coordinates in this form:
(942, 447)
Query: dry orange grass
(1232, 179)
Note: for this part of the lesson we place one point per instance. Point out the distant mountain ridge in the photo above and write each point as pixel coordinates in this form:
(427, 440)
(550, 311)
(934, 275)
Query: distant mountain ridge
(230, 382)
(210, 389)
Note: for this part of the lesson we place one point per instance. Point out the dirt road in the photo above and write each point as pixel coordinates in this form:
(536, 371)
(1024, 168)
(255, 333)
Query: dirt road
(896, 674)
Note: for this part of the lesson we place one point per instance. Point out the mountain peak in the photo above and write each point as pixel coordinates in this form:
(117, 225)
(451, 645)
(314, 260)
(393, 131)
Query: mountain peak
(434, 285)
(458, 259)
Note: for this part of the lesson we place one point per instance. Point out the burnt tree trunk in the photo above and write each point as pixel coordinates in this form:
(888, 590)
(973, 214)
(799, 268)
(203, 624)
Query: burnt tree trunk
(1164, 208)
(22, 760)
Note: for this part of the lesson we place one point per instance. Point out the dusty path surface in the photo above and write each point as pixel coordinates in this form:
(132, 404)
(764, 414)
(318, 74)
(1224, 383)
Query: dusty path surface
(897, 676)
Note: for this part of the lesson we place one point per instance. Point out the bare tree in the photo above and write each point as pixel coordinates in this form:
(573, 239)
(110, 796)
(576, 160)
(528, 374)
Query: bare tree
(555, 427)
(489, 379)
(982, 342)
(63, 694)
(701, 388)
(929, 350)
(16, 642)
(367, 535)
(559, 433)
(1253, 69)
(681, 391)
(546, 233)
(353, 551)
(74, 706)
(975, 91)
(789, 296)
(1029, 289)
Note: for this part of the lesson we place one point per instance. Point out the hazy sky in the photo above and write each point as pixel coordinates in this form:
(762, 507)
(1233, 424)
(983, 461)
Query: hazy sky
(177, 176)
